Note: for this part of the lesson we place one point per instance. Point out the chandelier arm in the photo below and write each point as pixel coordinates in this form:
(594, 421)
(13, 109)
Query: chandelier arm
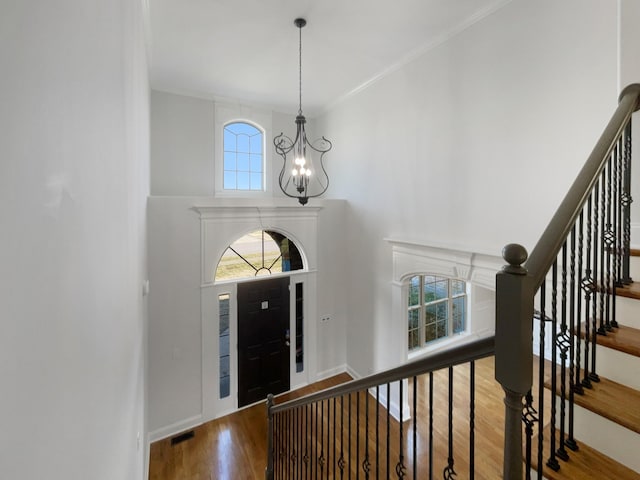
(318, 149)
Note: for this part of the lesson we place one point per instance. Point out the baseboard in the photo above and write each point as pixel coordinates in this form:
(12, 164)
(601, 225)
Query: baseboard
(175, 428)
(332, 372)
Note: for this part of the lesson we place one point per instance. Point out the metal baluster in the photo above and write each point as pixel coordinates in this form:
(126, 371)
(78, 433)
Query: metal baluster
(570, 441)
(349, 461)
(576, 386)
(449, 472)
(296, 436)
(588, 287)
(357, 435)
(563, 342)
(543, 314)
(314, 446)
(321, 459)
(334, 438)
(609, 239)
(388, 428)
(366, 465)
(415, 427)
(618, 216)
(401, 469)
(593, 376)
(601, 240)
(377, 432)
(305, 458)
(529, 418)
(287, 444)
(472, 425)
(626, 205)
(615, 230)
(341, 460)
(430, 425)
(552, 462)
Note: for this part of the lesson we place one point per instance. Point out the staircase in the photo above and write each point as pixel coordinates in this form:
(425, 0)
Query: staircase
(577, 393)
(607, 416)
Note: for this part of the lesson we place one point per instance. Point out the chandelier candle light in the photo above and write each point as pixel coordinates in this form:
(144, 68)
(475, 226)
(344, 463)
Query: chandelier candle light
(298, 177)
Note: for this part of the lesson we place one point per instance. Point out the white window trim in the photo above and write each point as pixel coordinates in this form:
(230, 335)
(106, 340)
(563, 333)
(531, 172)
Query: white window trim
(409, 257)
(226, 113)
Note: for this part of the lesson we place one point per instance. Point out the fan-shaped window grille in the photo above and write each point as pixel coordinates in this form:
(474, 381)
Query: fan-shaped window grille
(259, 253)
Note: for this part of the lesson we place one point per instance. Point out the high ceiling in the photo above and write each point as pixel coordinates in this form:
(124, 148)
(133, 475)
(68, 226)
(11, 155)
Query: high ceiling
(248, 49)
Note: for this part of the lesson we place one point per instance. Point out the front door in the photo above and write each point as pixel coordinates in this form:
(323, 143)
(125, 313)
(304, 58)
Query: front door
(263, 339)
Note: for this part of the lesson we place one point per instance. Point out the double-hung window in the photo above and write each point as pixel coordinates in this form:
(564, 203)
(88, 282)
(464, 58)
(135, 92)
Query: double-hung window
(437, 308)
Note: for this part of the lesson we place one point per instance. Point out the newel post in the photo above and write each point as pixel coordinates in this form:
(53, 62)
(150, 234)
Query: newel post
(268, 474)
(514, 350)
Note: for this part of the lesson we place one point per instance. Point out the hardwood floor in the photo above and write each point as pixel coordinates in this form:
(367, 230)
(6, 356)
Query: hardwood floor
(234, 447)
(228, 448)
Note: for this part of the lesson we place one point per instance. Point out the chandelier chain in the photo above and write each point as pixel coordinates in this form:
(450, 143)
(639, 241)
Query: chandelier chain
(300, 70)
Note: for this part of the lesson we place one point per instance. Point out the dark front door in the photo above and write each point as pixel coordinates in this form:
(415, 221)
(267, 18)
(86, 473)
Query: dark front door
(263, 339)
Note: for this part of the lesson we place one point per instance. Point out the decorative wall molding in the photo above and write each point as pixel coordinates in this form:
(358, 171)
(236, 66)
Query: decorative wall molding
(410, 258)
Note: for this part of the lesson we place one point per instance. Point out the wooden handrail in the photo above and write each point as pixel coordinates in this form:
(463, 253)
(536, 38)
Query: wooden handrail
(455, 356)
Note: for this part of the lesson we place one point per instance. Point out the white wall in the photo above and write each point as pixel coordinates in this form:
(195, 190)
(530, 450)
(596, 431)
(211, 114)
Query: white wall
(182, 145)
(473, 144)
(73, 183)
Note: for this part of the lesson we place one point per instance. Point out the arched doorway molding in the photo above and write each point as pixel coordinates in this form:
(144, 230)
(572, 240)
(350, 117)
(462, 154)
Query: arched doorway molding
(220, 227)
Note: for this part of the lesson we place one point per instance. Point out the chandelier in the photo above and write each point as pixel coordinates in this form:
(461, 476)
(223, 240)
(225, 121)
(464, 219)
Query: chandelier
(299, 178)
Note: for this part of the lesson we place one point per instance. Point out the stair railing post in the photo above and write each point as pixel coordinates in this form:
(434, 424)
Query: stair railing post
(269, 470)
(514, 350)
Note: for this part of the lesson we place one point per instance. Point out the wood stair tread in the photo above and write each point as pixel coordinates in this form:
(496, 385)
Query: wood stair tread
(630, 291)
(622, 338)
(584, 464)
(609, 399)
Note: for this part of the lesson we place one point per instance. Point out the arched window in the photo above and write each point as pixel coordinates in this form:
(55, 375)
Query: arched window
(259, 253)
(437, 309)
(243, 157)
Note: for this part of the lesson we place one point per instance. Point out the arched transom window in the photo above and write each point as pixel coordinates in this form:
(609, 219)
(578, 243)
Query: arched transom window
(259, 253)
(243, 165)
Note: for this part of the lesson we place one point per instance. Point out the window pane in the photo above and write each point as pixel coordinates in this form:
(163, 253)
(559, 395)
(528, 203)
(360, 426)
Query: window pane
(435, 321)
(414, 318)
(229, 160)
(243, 162)
(243, 181)
(414, 291)
(299, 328)
(223, 342)
(256, 143)
(243, 143)
(230, 180)
(459, 314)
(435, 288)
(229, 141)
(256, 181)
(414, 339)
(256, 163)
(457, 287)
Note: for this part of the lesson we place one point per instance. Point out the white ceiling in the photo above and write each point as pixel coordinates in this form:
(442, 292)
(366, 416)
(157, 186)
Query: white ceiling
(248, 49)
